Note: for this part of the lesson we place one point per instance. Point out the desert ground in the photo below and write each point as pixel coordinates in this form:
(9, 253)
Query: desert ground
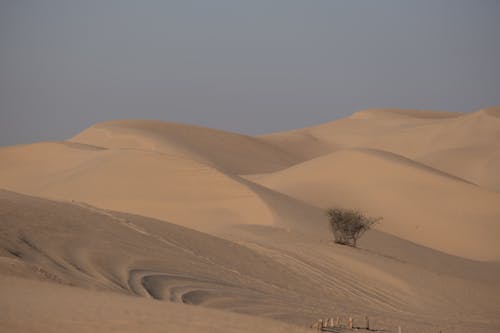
(150, 226)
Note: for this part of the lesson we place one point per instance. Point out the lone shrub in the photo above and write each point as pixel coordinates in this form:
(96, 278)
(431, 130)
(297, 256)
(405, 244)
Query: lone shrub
(348, 225)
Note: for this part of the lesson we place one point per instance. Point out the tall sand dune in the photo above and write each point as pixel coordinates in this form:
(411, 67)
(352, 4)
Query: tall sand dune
(426, 136)
(98, 268)
(167, 186)
(416, 202)
(234, 153)
(161, 185)
(128, 224)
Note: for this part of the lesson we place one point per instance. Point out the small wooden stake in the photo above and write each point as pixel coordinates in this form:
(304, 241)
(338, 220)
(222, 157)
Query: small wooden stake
(367, 323)
(399, 329)
(337, 321)
(320, 325)
(350, 322)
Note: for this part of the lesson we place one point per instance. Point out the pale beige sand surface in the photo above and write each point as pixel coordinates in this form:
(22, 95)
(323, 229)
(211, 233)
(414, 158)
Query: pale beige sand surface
(110, 228)
(232, 152)
(417, 203)
(255, 270)
(159, 185)
(466, 145)
(33, 306)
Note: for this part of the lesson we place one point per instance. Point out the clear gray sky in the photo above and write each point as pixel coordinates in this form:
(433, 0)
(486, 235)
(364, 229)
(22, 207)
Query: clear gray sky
(250, 66)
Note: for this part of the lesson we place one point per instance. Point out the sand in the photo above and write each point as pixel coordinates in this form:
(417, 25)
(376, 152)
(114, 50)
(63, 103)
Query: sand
(142, 225)
(417, 203)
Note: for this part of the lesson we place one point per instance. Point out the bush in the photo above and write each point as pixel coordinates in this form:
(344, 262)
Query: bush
(349, 225)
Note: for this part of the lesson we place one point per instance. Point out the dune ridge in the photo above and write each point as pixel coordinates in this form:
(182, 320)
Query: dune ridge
(429, 137)
(142, 210)
(234, 153)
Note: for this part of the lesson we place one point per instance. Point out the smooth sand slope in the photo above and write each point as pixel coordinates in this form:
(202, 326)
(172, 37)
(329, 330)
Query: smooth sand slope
(168, 171)
(466, 145)
(154, 184)
(32, 306)
(98, 268)
(237, 224)
(234, 153)
(416, 202)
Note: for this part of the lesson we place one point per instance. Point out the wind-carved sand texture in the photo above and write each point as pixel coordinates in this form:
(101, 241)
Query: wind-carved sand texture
(150, 226)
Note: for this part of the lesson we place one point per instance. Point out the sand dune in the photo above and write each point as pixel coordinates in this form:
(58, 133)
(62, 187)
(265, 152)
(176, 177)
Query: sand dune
(404, 132)
(189, 174)
(129, 211)
(417, 203)
(154, 175)
(268, 273)
(160, 185)
(425, 136)
(234, 153)
(480, 167)
(76, 310)
(404, 113)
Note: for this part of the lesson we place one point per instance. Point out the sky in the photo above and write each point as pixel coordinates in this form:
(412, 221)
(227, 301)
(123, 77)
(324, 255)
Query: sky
(246, 66)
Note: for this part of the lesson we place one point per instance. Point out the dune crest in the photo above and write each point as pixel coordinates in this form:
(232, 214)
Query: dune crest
(396, 113)
(234, 153)
(160, 185)
(236, 225)
(471, 139)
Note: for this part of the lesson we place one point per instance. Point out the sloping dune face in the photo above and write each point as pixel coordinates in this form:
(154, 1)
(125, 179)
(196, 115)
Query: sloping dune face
(432, 176)
(168, 186)
(416, 202)
(264, 272)
(234, 153)
(189, 215)
(376, 160)
(180, 173)
(70, 244)
(166, 262)
(466, 145)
